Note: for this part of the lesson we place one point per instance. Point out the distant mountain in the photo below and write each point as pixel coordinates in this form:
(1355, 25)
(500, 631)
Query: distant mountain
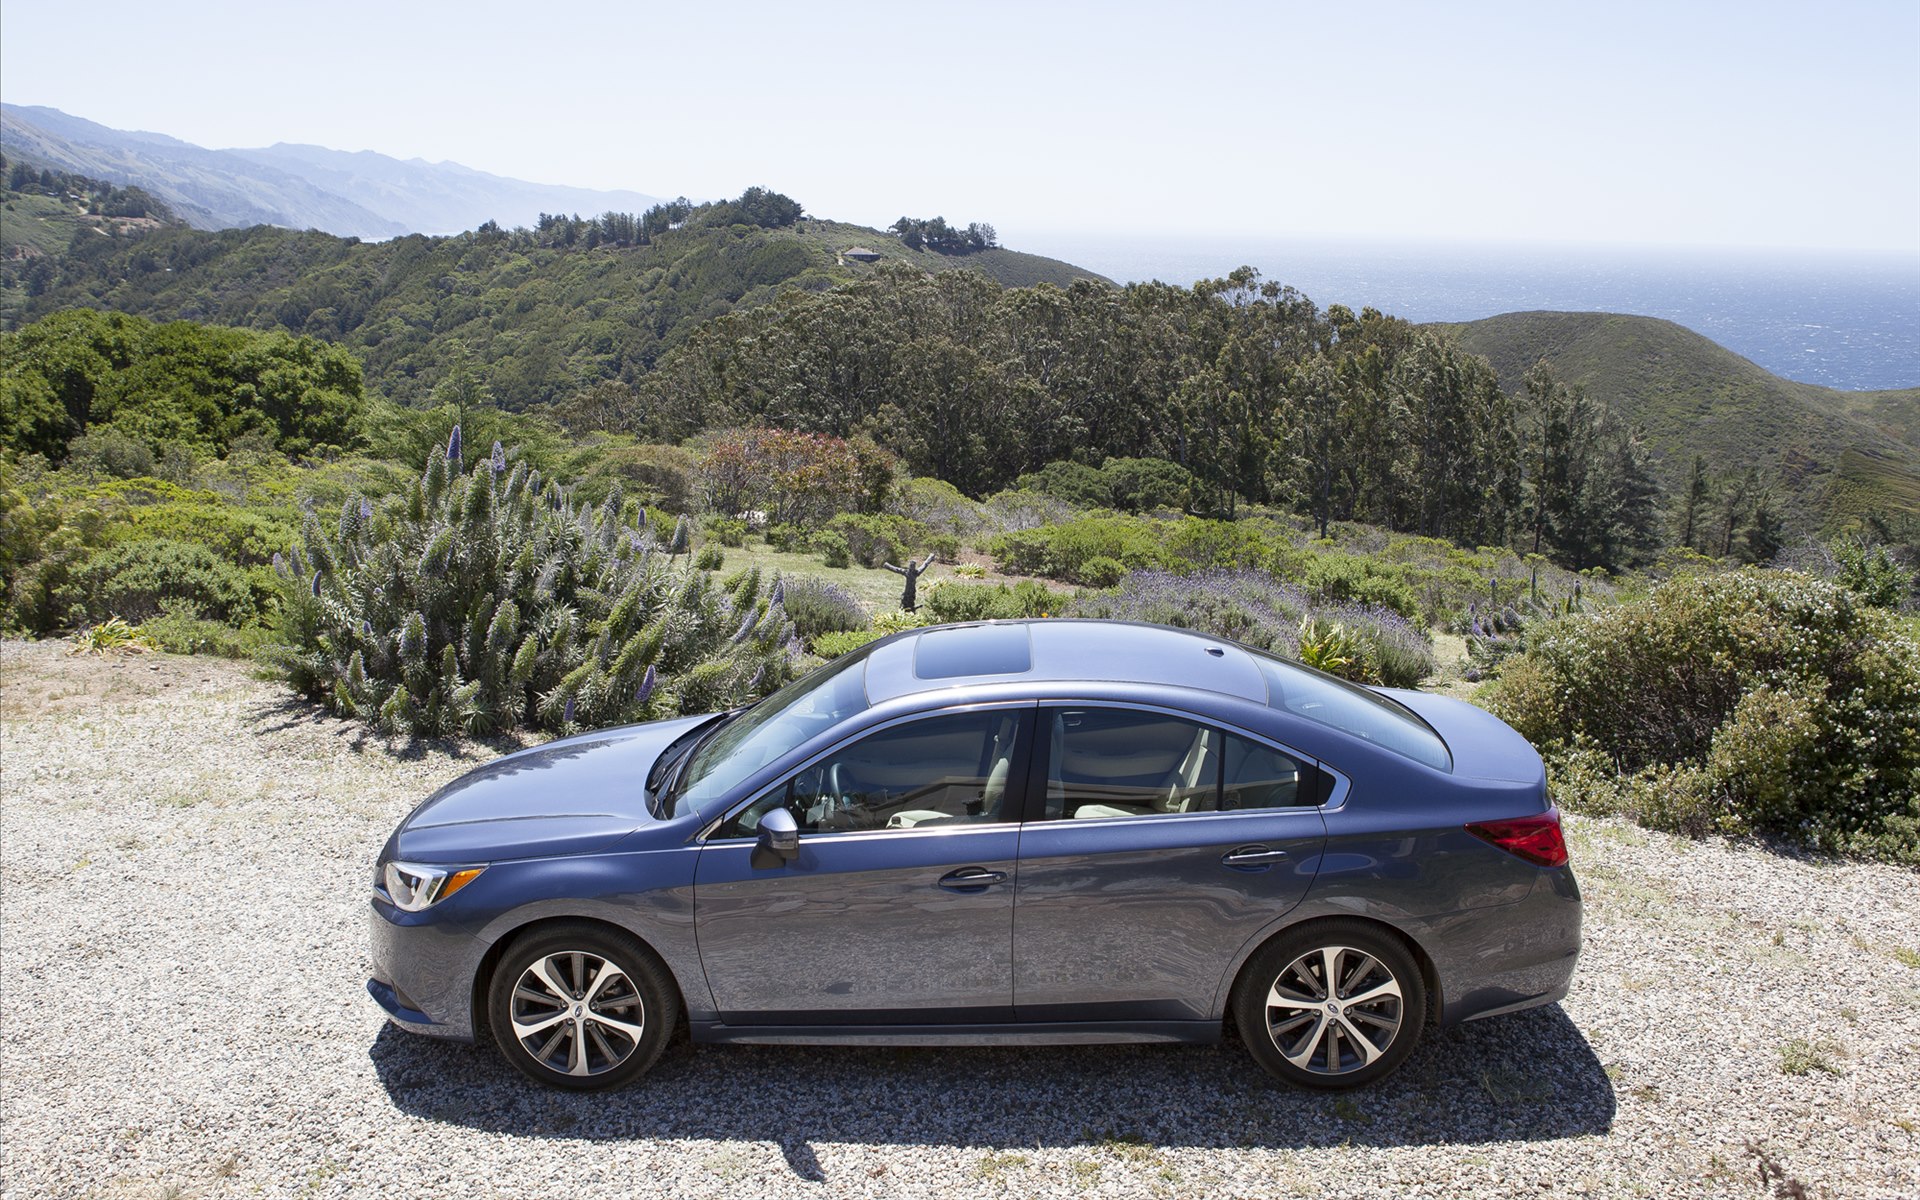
(364, 194)
(1833, 456)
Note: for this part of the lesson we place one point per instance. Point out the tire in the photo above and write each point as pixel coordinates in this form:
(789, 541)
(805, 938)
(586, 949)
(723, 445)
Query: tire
(582, 1007)
(1365, 1029)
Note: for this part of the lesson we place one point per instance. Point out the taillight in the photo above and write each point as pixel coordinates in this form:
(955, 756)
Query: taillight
(1536, 839)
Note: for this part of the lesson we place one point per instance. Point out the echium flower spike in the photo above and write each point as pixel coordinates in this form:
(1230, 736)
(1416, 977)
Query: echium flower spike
(746, 626)
(648, 682)
(453, 447)
(499, 459)
(566, 714)
(316, 583)
(279, 563)
(366, 509)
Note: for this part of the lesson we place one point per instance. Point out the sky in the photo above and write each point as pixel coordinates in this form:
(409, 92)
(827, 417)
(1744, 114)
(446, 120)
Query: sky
(1745, 124)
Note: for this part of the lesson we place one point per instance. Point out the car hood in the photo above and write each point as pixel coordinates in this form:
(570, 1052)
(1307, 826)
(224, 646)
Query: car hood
(571, 796)
(1483, 746)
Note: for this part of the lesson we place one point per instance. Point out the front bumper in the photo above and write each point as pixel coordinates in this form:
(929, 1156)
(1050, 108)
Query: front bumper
(423, 971)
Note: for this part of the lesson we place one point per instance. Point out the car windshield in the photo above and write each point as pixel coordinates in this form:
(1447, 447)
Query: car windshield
(1353, 709)
(736, 749)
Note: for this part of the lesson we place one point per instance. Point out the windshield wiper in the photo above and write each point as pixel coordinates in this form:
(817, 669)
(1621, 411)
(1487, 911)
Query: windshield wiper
(665, 770)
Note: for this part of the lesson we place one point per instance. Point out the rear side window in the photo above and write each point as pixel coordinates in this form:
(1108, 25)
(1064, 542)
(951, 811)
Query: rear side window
(1355, 710)
(1111, 762)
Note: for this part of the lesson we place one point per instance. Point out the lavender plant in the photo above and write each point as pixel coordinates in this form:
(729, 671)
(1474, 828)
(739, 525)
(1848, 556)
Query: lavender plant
(1260, 609)
(488, 601)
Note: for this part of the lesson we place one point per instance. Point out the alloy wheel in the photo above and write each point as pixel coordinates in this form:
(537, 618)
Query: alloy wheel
(1334, 1010)
(577, 1013)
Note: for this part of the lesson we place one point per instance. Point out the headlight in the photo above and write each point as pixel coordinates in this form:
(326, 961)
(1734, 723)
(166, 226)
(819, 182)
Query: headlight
(413, 887)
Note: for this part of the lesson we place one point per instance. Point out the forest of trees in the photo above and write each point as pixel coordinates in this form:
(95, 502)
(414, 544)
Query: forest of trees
(936, 235)
(100, 199)
(1243, 383)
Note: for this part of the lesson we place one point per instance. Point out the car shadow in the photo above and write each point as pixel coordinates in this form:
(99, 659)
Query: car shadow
(1529, 1076)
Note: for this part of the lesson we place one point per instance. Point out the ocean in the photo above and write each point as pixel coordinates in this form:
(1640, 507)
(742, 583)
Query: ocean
(1842, 321)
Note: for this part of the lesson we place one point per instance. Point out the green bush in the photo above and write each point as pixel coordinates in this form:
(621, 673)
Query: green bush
(1062, 551)
(949, 602)
(133, 580)
(876, 538)
(832, 547)
(786, 537)
(489, 600)
(1753, 700)
(710, 558)
(833, 645)
(728, 531)
(1352, 579)
(182, 629)
(1101, 571)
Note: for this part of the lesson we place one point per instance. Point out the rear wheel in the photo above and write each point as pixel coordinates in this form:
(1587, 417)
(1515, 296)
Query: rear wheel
(1335, 1004)
(582, 1007)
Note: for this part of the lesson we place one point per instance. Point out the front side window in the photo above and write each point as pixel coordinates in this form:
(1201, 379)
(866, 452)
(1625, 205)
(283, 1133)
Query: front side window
(949, 770)
(808, 706)
(1110, 762)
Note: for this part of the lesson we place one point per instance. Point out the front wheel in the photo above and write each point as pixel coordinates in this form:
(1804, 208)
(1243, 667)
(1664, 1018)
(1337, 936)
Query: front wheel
(1336, 1004)
(582, 1007)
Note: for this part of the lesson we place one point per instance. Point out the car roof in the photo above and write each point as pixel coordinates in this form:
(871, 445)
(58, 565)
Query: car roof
(1046, 650)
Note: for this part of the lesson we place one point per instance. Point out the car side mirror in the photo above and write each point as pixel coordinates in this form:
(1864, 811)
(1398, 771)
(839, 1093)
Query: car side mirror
(779, 840)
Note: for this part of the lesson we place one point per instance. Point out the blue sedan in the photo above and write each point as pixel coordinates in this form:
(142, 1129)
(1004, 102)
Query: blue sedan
(1001, 833)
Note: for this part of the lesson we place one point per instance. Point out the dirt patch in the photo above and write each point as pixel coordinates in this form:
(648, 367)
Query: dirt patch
(46, 678)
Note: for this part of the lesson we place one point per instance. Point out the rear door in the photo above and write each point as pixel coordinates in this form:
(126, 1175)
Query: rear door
(1163, 844)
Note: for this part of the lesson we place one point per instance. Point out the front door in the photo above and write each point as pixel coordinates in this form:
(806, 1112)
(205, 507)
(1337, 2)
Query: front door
(898, 908)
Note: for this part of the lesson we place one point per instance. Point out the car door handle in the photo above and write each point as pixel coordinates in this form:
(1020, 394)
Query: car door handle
(971, 879)
(1252, 856)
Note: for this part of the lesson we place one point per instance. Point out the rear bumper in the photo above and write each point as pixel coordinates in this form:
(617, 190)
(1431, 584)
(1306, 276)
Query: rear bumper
(1517, 956)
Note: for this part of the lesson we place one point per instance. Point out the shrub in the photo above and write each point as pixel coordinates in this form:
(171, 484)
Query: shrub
(728, 531)
(133, 580)
(876, 538)
(1327, 645)
(818, 606)
(833, 645)
(1377, 644)
(950, 602)
(182, 629)
(1761, 701)
(110, 635)
(1100, 571)
(1350, 579)
(1062, 551)
(786, 537)
(710, 558)
(970, 570)
(833, 548)
(489, 600)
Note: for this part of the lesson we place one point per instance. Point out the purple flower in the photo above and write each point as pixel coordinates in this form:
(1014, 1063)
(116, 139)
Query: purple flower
(366, 629)
(648, 682)
(366, 509)
(499, 459)
(566, 715)
(778, 595)
(453, 447)
(316, 583)
(279, 563)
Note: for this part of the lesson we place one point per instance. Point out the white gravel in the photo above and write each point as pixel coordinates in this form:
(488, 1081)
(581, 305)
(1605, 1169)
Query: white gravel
(184, 856)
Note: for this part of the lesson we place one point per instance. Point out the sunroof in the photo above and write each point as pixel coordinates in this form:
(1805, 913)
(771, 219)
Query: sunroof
(975, 650)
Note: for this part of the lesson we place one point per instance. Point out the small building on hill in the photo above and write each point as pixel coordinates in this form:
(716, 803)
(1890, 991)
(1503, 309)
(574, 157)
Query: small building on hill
(860, 254)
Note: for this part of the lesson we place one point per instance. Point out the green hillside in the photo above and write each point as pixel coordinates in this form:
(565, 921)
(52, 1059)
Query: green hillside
(542, 315)
(1831, 456)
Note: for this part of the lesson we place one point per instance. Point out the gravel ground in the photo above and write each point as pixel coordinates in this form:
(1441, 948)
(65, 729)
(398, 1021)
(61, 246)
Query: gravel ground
(184, 854)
